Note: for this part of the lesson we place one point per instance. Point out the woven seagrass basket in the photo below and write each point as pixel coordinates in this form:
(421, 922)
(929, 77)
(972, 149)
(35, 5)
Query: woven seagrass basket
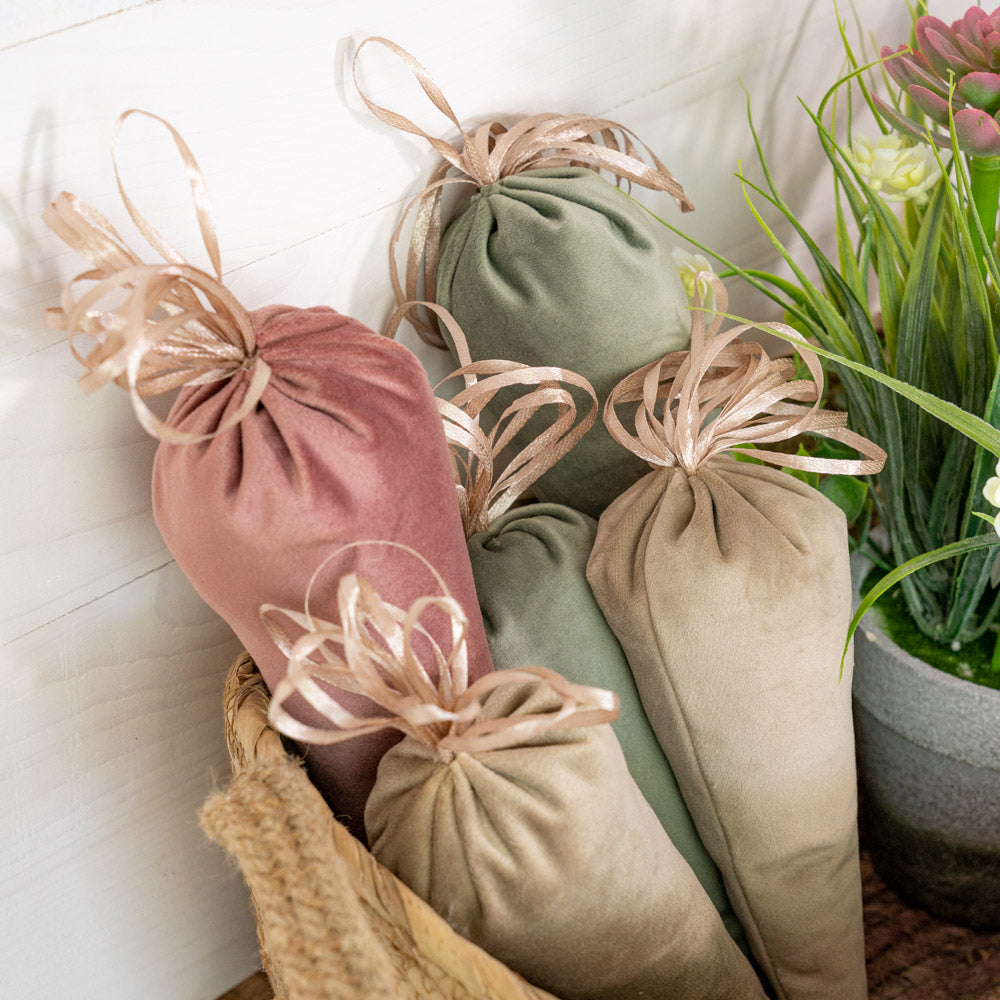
(333, 924)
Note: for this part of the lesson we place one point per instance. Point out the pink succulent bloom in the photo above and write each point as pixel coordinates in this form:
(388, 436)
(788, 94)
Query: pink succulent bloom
(968, 51)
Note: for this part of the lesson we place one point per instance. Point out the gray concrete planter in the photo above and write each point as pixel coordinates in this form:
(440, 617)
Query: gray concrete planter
(929, 762)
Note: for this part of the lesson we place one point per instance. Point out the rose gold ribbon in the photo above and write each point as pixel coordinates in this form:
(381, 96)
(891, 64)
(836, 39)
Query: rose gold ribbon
(484, 495)
(720, 372)
(206, 335)
(494, 151)
(374, 652)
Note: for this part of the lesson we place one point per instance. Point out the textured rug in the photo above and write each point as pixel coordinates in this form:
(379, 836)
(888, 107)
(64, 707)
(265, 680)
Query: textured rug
(914, 956)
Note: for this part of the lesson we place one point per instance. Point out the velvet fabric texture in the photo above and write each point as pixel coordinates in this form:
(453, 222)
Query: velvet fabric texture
(558, 267)
(730, 592)
(529, 567)
(547, 855)
(346, 444)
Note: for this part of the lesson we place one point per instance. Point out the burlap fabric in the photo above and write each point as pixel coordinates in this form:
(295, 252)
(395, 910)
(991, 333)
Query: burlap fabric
(729, 590)
(333, 923)
(546, 854)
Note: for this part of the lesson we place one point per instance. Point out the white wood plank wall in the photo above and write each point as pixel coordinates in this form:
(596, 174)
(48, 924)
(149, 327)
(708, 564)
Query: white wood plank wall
(110, 667)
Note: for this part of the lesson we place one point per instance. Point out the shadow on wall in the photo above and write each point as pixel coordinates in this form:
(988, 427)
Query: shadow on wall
(769, 63)
(31, 277)
(420, 158)
(697, 122)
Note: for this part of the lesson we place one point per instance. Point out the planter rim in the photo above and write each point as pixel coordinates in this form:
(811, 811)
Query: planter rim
(934, 709)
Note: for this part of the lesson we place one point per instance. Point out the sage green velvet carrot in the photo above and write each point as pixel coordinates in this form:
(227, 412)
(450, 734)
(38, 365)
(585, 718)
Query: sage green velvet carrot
(557, 266)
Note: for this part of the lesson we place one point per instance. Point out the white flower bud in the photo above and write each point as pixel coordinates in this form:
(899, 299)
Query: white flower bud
(895, 169)
(992, 490)
(689, 266)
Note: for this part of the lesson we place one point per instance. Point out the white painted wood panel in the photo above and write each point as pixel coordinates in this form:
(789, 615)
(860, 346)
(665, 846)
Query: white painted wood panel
(110, 667)
(24, 21)
(112, 738)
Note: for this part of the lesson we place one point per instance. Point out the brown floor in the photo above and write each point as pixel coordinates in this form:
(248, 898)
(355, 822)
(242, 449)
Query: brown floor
(914, 956)
(254, 988)
(911, 955)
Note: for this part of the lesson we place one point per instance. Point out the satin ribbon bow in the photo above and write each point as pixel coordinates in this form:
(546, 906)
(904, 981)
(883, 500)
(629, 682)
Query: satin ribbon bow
(494, 151)
(724, 392)
(175, 324)
(483, 493)
(379, 650)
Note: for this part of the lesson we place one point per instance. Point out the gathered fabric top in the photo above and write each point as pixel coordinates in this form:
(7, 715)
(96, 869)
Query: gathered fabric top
(205, 336)
(725, 392)
(491, 152)
(379, 650)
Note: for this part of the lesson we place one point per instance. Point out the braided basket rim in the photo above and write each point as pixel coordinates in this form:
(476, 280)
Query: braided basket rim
(252, 743)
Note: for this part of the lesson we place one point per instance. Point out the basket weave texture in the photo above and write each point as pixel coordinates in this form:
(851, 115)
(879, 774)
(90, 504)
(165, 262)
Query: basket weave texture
(333, 924)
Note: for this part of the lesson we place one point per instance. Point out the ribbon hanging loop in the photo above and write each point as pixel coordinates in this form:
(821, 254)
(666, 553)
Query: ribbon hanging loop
(491, 152)
(174, 324)
(485, 493)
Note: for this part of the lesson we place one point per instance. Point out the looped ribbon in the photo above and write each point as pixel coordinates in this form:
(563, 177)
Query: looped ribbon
(206, 335)
(374, 652)
(750, 392)
(484, 495)
(494, 151)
